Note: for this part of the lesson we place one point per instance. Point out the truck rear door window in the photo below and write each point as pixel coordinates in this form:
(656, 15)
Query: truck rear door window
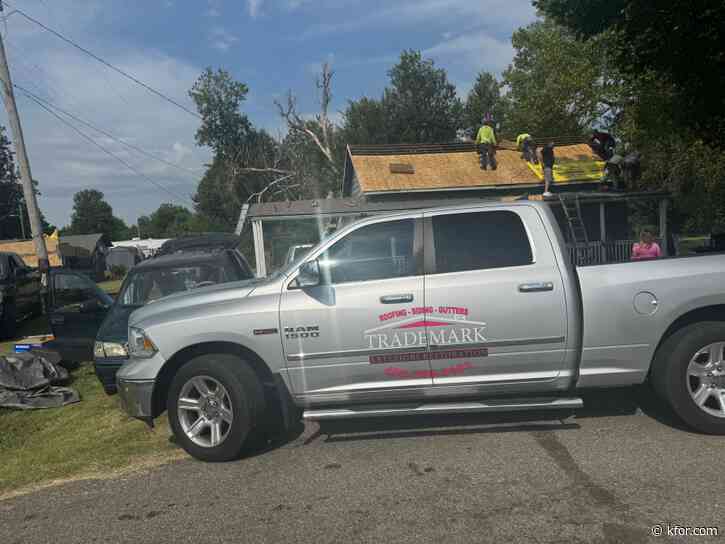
(480, 240)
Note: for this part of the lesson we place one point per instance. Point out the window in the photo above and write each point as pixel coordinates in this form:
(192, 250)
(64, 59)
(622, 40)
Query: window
(149, 284)
(481, 240)
(374, 252)
(71, 290)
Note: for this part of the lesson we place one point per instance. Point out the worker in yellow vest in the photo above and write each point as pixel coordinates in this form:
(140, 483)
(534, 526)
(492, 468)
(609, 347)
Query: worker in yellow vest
(526, 145)
(486, 143)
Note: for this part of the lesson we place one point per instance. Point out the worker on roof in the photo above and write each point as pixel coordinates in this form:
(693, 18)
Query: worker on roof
(547, 161)
(486, 143)
(525, 144)
(603, 144)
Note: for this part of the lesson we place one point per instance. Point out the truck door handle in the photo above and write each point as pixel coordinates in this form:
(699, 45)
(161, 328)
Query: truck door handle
(536, 286)
(396, 299)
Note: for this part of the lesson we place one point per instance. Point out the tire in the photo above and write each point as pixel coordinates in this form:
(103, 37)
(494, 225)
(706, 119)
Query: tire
(241, 394)
(9, 320)
(673, 377)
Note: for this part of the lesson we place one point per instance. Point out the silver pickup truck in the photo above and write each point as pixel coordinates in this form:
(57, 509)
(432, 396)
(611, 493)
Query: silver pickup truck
(448, 310)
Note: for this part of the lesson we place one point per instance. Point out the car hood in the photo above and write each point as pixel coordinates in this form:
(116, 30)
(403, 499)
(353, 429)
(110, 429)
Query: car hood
(177, 303)
(115, 327)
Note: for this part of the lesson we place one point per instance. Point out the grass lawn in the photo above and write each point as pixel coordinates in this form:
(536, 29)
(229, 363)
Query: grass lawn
(90, 439)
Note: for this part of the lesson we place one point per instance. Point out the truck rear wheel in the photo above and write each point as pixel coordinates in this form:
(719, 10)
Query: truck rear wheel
(214, 403)
(689, 373)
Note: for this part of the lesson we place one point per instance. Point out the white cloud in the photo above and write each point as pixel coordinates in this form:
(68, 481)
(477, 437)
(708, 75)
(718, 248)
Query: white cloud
(213, 9)
(221, 39)
(475, 50)
(254, 7)
(61, 160)
(492, 13)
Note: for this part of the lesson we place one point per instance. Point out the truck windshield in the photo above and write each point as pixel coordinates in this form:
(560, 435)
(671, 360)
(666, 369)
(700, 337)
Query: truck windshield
(144, 286)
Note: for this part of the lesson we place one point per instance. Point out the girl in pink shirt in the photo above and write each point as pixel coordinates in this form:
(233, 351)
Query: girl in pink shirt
(647, 248)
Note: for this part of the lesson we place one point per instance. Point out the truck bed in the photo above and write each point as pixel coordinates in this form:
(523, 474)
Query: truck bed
(619, 340)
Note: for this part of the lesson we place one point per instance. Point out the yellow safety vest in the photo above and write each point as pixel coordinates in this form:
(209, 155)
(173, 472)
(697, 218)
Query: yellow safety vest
(486, 135)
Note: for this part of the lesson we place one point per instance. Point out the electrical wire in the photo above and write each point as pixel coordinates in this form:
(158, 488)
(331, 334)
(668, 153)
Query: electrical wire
(103, 61)
(107, 151)
(104, 132)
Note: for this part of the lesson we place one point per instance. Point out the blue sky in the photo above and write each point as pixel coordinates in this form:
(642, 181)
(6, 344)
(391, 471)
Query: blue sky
(271, 45)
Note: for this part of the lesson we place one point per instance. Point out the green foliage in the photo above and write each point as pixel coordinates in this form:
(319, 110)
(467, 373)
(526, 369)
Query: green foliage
(484, 97)
(91, 214)
(558, 85)
(680, 41)
(695, 172)
(12, 202)
(218, 98)
(419, 106)
(118, 272)
(168, 221)
(365, 122)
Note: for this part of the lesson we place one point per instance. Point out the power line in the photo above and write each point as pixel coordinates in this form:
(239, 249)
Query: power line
(105, 62)
(108, 152)
(101, 131)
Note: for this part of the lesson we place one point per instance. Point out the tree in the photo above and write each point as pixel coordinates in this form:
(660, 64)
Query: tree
(558, 85)
(320, 131)
(168, 221)
(419, 106)
(14, 220)
(679, 41)
(365, 122)
(421, 102)
(224, 127)
(485, 97)
(92, 214)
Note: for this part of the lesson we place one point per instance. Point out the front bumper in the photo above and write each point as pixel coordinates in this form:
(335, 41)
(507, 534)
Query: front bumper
(106, 372)
(136, 398)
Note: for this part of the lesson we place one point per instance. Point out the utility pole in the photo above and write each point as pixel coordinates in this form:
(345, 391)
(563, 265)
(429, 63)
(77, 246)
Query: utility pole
(21, 217)
(31, 204)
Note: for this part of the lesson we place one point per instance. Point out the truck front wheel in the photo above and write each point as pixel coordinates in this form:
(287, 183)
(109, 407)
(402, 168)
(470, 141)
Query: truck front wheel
(213, 406)
(689, 373)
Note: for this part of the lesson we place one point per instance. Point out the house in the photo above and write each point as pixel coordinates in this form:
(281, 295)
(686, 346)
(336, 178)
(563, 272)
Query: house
(384, 178)
(26, 250)
(85, 253)
(378, 172)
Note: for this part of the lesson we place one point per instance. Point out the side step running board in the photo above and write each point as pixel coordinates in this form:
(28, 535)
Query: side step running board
(504, 405)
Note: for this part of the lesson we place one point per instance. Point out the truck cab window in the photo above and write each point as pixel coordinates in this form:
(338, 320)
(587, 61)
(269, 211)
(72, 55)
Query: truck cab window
(480, 240)
(373, 252)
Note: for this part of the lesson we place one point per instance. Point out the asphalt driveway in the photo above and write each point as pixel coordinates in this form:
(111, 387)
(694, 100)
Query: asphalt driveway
(610, 474)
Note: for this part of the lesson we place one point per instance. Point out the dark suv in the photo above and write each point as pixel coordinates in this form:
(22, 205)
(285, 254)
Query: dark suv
(82, 313)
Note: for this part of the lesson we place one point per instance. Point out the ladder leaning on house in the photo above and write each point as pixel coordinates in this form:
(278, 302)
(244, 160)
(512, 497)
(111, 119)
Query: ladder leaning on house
(577, 230)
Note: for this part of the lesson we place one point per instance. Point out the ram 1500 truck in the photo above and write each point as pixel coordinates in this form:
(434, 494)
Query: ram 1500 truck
(449, 310)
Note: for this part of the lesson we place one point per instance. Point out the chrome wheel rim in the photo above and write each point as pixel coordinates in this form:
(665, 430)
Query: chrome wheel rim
(706, 379)
(205, 411)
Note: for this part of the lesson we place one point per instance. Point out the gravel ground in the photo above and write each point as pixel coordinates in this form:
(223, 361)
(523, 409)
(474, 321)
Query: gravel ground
(610, 474)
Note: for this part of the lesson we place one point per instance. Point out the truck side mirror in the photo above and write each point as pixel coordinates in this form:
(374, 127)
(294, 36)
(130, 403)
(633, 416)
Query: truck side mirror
(308, 275)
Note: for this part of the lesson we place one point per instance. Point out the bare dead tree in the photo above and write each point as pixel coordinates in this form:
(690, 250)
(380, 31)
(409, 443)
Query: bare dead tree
(297, 124)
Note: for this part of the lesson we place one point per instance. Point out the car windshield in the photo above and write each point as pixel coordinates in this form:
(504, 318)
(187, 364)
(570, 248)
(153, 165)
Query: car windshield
(146, 285)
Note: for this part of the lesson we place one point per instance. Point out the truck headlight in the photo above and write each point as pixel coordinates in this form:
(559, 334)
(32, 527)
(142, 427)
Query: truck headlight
(139, 344)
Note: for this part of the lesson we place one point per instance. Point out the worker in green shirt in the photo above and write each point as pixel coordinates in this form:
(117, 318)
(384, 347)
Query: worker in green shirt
(486, 143)
(526, 145)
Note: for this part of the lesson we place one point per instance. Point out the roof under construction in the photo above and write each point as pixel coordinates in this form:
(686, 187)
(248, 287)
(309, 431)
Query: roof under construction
(399, 168)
